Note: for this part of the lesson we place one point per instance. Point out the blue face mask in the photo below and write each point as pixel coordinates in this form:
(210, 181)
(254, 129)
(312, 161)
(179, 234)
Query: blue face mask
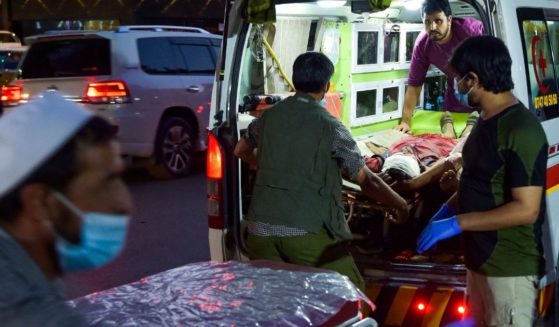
(323, 102)
(462, 97)
(102, 239)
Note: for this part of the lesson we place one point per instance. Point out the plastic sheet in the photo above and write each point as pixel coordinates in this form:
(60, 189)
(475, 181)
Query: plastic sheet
(258, 293)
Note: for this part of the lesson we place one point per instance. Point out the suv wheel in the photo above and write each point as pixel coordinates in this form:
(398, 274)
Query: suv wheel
(174, 149)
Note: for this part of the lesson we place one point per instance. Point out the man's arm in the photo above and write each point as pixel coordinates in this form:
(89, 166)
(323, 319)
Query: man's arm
(522, 210)
(245, 152)
(245, 149)
(410, 101)
(375, 188)
(431, 175)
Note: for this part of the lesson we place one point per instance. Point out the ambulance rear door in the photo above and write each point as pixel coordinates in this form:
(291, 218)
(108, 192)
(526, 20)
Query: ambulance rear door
(530, 28)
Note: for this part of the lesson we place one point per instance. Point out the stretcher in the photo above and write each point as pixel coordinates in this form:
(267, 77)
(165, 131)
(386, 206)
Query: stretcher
(409, 289)
(256, 293)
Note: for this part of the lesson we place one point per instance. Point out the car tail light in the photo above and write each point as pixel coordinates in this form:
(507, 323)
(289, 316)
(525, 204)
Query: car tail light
(214, 173)
(107, 92)
(11, 93)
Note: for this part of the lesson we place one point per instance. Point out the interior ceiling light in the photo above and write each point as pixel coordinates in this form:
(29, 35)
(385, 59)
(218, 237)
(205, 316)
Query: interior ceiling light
(413, 5)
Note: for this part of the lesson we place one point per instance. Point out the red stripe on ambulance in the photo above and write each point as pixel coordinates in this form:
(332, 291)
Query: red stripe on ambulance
(552, 177)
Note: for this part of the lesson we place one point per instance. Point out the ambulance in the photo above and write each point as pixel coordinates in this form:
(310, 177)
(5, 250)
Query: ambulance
(370, 44)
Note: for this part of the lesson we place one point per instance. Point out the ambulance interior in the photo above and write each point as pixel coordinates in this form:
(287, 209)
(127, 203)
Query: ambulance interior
(371, 52)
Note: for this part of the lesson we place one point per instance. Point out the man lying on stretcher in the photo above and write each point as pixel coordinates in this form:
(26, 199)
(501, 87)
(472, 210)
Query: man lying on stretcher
(416, 161)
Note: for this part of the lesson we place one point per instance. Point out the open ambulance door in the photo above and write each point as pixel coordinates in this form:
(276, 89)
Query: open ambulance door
(535, 35)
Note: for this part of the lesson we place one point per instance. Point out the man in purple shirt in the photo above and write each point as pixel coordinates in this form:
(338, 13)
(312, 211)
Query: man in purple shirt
(433, 47)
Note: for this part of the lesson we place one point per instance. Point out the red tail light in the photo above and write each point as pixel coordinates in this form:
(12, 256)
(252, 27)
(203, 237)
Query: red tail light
(11, 93)
(214, 173)
(461, 309)
(107, 92)
(214, 158)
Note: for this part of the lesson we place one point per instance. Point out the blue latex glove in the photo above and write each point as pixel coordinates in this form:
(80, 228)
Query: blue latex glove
(444, 212)
(436, 231)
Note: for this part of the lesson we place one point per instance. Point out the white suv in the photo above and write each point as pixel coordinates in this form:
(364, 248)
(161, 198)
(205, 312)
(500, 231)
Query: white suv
(152, 82)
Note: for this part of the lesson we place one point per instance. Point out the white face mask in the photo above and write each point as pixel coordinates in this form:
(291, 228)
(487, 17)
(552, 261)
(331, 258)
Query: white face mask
(463, 98)
(102, 238)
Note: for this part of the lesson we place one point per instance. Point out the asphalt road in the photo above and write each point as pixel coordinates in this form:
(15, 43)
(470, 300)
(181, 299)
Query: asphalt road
(168, 229)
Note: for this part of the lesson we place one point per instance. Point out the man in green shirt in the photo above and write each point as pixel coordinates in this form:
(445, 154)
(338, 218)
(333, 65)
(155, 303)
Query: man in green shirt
(296, 213)
(500, 204)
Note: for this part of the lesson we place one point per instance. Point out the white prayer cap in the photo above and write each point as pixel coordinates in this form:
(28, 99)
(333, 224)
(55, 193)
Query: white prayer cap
(32, 132)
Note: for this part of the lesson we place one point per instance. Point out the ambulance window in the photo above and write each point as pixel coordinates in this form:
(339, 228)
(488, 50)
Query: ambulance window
(433, 92)
(390, 97)
(312, 36)
(367, 46)
(410, 41)
(366, 103)
(540, 66)
(392, 47)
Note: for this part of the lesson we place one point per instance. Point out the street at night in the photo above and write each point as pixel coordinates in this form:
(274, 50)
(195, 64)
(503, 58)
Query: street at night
(168, 229)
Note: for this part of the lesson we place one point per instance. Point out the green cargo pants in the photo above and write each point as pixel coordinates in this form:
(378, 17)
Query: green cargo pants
(314, 250)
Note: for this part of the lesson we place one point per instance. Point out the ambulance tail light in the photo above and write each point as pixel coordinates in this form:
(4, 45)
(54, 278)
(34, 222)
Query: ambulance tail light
(461, 309)
(214, 174)
(420, 306)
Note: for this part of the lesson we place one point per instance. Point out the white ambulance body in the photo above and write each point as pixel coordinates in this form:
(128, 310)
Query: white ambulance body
(371, 52)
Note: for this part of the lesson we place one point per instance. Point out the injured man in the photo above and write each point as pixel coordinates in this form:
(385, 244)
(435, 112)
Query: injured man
(414, 162)
(424, 169)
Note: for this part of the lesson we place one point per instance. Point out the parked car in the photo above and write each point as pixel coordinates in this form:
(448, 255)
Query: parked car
(9, 39)
(9, 61)
(152, 82)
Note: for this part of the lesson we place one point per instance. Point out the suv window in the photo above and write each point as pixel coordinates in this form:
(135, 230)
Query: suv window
(198, 59)
(156, 56)
(169, 56)
(67, 58)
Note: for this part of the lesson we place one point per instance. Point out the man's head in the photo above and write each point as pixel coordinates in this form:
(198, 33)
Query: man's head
(60, 162)
(482, 62)
(437, 19)
(312, 72)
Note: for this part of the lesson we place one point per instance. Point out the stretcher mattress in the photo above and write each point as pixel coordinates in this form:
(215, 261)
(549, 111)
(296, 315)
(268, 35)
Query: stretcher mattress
(429, 122)
(258, 293)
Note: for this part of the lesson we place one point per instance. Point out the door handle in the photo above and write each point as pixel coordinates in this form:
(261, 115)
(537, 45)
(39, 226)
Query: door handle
(194, 89)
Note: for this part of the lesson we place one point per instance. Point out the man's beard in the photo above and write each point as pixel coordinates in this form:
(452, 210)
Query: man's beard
(436, 36)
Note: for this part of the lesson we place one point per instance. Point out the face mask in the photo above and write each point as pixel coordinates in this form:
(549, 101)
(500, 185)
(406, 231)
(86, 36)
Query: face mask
(462, 97)
(323, 102)
(102, 239)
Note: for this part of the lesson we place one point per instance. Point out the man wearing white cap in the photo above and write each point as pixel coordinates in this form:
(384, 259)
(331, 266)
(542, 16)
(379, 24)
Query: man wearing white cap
(63, 206)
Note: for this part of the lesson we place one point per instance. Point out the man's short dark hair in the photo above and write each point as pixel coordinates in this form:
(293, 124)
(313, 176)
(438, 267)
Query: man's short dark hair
(430, 7)
(61, 167)
(487, 57)
(312, 72)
